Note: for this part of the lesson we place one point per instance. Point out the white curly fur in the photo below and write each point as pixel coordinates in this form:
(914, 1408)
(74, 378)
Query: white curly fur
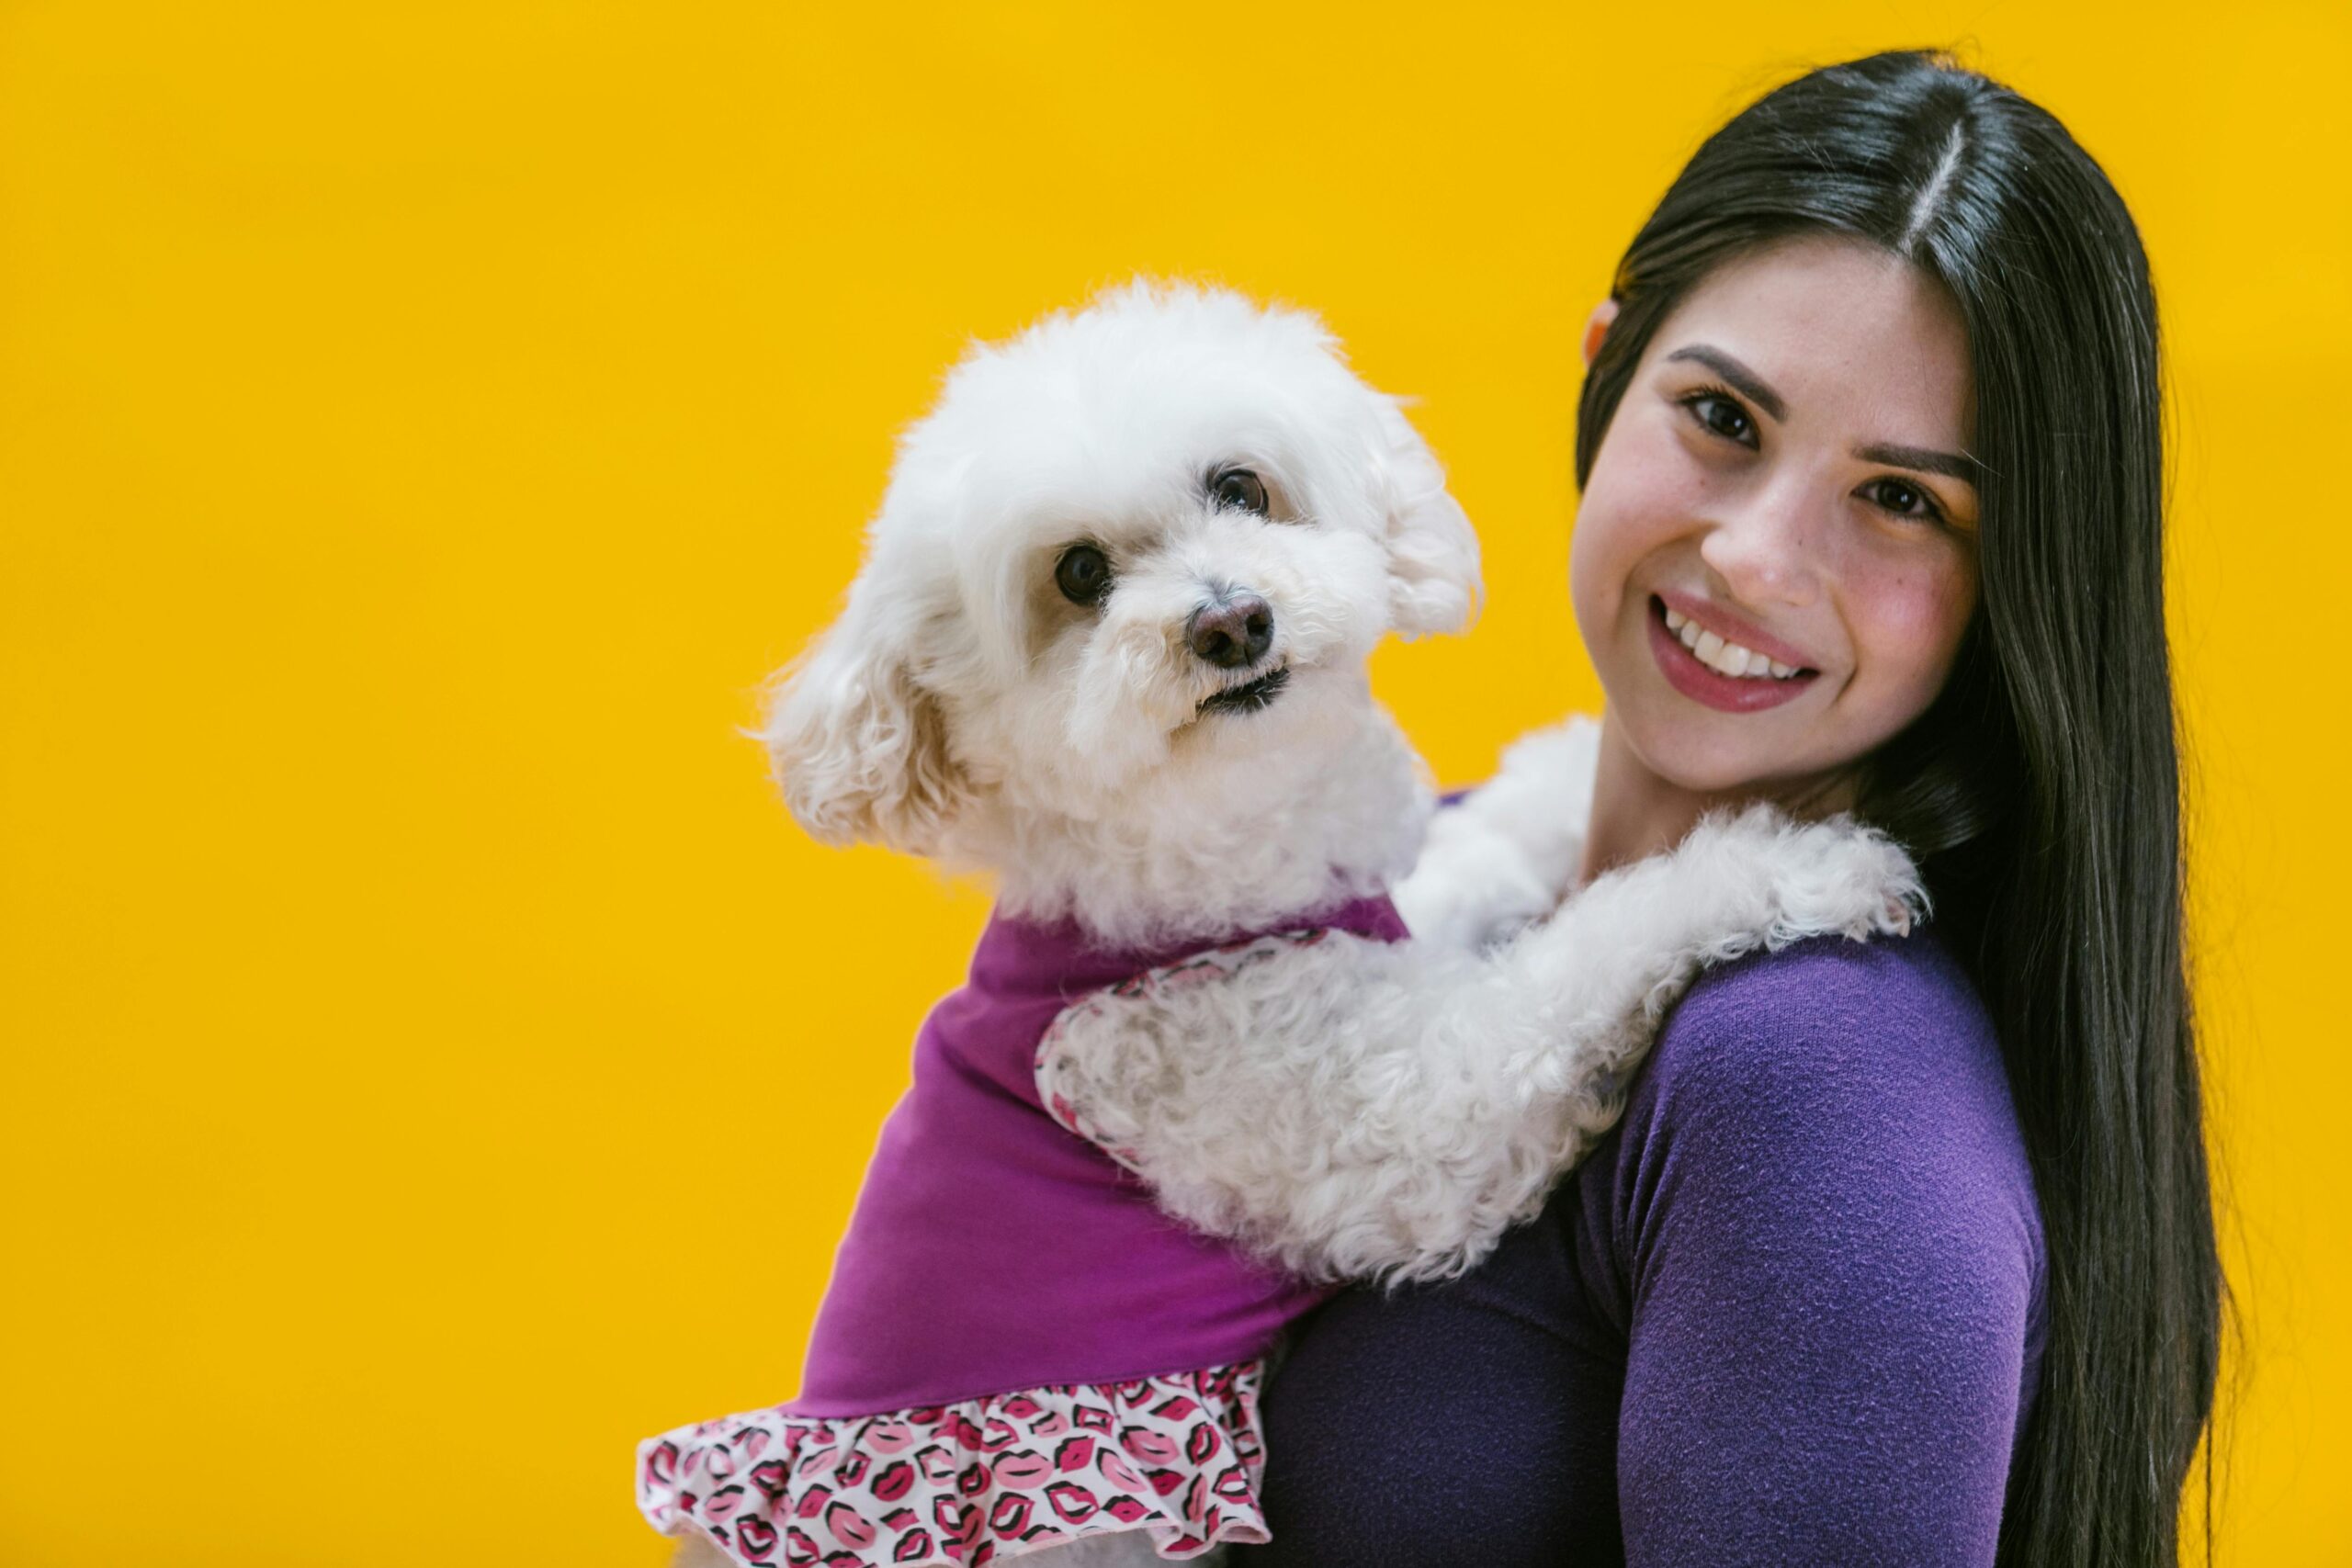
(1505, 857)
(1351, 1109)
(962, 708)
(1356, 1109)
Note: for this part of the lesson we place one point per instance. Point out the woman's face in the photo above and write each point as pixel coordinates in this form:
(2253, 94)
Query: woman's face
(1786, 476)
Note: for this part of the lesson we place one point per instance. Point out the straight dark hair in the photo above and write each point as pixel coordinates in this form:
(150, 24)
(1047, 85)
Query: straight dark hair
(2041, 791)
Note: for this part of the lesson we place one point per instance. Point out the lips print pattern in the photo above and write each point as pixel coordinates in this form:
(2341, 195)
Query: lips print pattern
(968, 1483)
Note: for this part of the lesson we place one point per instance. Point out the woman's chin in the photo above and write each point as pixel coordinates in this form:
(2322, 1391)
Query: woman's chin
(1721, 755)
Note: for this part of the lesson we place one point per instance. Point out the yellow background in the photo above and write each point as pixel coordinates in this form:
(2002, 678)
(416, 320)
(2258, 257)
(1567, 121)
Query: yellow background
(432, 1059)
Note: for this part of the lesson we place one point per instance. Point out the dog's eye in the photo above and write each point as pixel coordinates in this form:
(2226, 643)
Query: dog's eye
(1239, 488)
(1083, 574)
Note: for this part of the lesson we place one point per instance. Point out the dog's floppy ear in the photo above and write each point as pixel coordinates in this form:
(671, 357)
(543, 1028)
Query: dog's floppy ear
(859, 748)
(1432, 552)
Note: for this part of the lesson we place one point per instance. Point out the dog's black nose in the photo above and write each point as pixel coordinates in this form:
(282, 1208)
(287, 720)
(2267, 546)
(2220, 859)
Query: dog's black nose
(1232, 631)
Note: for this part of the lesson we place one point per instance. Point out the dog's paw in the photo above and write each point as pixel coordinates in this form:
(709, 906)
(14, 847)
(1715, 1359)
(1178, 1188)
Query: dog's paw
(1805, 879)
(1081, 1042)
(1842, 876)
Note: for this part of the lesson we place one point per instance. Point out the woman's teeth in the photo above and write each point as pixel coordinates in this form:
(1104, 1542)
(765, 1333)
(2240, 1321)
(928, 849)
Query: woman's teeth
(1728, 658)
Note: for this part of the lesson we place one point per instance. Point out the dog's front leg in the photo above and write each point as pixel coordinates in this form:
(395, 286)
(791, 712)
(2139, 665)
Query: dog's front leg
(1364, 1110)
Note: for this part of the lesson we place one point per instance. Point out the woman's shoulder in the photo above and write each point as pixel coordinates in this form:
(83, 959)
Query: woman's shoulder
(1879, 1022)
(1913, 972)
(1831, 1075)
(1822, 1142)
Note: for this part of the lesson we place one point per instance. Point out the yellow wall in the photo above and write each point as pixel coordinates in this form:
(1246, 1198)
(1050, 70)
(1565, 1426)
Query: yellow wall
(433, 1060)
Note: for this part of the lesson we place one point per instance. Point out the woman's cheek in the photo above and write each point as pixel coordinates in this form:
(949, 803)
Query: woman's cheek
(1644, 492)
(1915, 614)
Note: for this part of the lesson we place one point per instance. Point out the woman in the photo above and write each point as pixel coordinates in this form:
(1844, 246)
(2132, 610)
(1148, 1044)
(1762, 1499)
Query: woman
(1901, 1253)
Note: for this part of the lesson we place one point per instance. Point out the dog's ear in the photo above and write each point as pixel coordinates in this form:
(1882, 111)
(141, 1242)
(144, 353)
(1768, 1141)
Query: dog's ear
(859, 746)
(1433, 582)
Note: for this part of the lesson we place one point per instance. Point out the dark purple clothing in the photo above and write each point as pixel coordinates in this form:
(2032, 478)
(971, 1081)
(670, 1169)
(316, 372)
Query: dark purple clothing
(1789, 1311)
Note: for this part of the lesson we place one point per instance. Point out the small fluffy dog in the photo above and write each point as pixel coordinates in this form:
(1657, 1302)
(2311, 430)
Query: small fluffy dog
(1108, 645)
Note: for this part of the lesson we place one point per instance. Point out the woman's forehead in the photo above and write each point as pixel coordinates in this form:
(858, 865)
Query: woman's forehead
(1838, 330)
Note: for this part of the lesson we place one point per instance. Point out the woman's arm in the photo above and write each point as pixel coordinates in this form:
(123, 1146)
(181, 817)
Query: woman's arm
(1355, 1109)
(1822, 1218)
(1783, 1314)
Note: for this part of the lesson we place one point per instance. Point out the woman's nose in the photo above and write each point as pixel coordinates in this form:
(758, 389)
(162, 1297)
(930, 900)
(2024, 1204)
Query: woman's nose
(1768, 546)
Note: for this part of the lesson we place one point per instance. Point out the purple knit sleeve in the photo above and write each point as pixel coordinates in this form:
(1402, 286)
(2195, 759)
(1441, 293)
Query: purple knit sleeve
(1822, 1235)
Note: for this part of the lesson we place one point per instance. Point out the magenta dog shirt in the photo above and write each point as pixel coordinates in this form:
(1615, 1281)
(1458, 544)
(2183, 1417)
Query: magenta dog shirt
(1016, 1346)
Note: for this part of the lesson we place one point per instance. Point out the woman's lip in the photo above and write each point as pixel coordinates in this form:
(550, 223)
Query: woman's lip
(1731, 629)
(1702, 683)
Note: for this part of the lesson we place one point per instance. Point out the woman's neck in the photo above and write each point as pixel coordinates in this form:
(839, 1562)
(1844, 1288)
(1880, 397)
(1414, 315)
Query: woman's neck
(1638, 813)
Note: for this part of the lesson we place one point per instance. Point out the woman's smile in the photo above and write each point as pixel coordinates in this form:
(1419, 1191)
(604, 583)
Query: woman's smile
(1694, 651)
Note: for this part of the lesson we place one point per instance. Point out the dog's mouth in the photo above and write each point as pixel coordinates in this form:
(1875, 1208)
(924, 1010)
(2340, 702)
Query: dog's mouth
(1248, 696)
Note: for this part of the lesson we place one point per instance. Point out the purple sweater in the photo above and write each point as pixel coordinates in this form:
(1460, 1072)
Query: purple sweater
(1790, 1311)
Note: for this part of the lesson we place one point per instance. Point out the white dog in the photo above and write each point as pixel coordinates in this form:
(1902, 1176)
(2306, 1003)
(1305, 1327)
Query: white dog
(1108, 645)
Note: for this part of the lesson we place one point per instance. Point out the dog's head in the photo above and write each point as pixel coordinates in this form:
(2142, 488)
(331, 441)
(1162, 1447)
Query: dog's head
(1157, 537)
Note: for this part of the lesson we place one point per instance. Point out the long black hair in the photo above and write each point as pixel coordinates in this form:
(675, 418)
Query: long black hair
(2041, 791)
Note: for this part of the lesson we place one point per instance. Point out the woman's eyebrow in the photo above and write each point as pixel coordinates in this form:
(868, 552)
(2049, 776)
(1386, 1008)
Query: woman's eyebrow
(1743, 380)
(1953, 465)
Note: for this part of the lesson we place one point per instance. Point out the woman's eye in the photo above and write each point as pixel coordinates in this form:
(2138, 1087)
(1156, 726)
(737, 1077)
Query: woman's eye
(1901, 498)
(1083, 574)
(1722, 416)
(1239, 488)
